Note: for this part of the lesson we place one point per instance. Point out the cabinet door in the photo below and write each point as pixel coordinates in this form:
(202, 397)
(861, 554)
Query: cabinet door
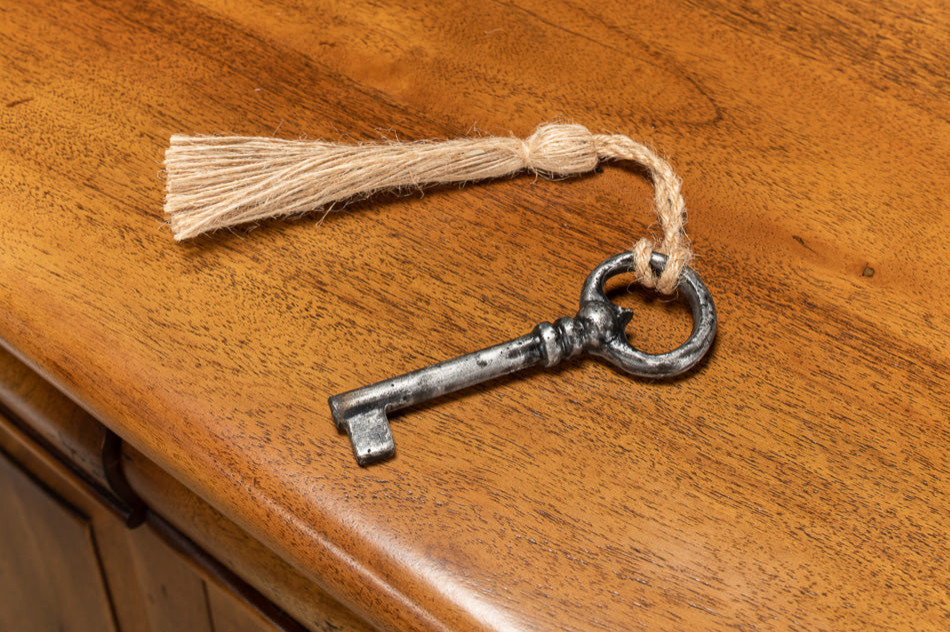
(67, 560)
(68, 564)
(230, 614)
(50, 576)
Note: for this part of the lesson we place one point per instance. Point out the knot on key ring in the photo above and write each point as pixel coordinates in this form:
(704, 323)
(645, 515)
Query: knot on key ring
(216, 182)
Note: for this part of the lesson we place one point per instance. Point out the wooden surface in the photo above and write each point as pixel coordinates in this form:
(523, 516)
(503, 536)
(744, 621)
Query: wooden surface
(53, 418)
(798, 479)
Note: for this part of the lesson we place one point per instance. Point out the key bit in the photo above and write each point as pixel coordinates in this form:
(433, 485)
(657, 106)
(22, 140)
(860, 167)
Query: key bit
(598, 329)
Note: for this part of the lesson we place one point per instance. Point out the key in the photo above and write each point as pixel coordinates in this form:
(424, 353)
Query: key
(598, 329)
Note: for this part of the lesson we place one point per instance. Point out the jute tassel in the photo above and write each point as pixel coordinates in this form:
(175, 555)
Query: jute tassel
(216, 182)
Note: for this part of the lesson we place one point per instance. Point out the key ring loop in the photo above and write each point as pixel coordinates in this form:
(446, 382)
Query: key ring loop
(609, 321)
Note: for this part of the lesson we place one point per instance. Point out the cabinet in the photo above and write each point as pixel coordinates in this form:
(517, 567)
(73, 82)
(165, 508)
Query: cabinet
(75, 557)
(69, 563)
(796, 479)
(51, 575)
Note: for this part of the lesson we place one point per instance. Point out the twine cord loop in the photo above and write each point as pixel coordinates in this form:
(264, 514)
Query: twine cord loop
(217, 182)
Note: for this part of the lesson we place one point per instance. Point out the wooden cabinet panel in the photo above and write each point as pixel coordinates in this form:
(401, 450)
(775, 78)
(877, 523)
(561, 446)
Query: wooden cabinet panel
(153, 586)
(229, 614)
(50, 576)
(52, 416)
(174, 593)
(129, 600)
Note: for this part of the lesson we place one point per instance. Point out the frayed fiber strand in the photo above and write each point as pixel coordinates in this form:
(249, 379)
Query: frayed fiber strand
(217, 182)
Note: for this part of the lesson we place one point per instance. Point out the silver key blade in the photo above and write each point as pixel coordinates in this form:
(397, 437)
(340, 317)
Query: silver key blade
(361, 413)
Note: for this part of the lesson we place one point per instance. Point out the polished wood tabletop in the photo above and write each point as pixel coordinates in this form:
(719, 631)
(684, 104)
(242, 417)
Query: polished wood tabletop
(798, 479)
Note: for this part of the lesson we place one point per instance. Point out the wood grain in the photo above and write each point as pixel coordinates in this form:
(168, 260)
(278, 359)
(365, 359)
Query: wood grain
(229, 614)
(62, 482)
(128, 557)
(798, 478)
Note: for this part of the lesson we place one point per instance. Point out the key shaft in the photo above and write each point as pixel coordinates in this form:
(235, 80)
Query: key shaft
(361, 413)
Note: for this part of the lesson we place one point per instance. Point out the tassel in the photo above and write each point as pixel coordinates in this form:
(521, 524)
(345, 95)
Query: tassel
(218, 182)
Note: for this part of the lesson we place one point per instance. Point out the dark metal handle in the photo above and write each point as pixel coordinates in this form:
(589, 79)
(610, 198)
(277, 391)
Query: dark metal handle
(616, 348)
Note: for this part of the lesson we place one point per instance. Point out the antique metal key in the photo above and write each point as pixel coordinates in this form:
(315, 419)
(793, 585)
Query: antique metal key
(598, 328)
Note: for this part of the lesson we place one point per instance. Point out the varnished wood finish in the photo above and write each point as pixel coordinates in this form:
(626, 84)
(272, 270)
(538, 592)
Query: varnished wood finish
(109, 532)
(138, 565)
(228, 614)
(799, 478)
(174, 595)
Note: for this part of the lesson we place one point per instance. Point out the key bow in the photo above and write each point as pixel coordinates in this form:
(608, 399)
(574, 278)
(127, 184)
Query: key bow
(608, 321)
